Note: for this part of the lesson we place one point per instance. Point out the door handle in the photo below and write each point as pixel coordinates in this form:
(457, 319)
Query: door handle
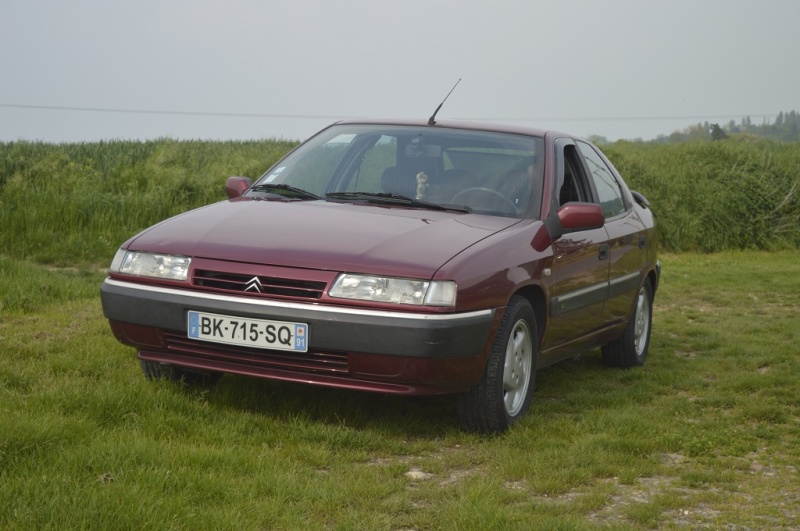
(642, 241)
(603, 253)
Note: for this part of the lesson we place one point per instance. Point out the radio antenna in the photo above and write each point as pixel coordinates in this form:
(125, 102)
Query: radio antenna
(432, 119)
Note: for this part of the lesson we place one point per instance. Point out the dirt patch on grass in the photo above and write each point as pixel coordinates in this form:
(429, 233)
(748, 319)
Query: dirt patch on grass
(756, 493)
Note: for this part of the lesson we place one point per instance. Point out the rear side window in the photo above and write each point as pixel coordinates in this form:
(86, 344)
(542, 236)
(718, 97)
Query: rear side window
(607, 187)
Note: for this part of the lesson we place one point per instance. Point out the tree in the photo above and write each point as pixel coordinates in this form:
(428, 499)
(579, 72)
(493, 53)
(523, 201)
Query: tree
(717, 133)
(792, 120)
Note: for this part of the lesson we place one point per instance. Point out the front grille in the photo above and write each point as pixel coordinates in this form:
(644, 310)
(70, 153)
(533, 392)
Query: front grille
(254, 359)
(255, 285)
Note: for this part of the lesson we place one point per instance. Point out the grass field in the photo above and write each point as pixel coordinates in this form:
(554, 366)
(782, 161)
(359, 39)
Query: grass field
(706, 434)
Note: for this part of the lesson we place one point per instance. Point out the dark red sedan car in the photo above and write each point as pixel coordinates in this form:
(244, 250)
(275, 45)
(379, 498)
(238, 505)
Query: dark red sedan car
(399, 257)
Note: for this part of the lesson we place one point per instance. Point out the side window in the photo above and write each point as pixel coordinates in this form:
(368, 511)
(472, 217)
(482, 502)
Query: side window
(573, 187)
(607, 187)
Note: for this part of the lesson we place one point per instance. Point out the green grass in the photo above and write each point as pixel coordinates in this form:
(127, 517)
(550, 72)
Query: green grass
(706, 434)
(76, 203)
(73, 204)
(739, 193)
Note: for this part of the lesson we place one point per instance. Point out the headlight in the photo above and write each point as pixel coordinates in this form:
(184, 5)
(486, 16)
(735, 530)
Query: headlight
(166, 266)
(394, 290)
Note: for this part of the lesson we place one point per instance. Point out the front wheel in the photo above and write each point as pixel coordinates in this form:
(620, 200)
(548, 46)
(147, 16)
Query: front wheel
(631, 349)
(504, 393)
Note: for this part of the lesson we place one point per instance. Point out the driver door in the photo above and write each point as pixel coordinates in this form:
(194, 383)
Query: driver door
(580, 264)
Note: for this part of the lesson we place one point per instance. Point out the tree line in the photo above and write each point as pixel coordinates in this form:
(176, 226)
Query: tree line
(785, 128)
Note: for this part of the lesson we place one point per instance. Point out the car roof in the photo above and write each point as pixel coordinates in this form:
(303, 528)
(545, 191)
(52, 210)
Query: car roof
(454, 124)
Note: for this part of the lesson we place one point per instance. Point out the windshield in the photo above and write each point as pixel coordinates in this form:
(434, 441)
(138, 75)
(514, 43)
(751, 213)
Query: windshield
(472, 171)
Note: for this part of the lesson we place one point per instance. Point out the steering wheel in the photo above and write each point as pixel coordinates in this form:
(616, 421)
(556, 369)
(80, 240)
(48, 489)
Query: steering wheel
(506, 202)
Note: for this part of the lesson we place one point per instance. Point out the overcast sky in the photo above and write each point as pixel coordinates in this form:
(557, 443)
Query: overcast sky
(86, 70)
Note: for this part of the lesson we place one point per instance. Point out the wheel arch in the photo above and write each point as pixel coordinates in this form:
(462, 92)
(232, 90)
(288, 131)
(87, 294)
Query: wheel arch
(536, 297)
(653, 277)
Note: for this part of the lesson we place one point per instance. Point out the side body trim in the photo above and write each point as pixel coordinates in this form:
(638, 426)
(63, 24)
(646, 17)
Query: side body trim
(594, 294)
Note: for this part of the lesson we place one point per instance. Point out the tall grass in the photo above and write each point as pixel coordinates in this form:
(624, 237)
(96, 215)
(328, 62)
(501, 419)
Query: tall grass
(712, 196)
(72, 203)
(76, 203)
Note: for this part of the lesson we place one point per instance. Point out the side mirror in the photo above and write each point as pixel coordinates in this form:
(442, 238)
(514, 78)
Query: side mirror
(236, 186)
(581, 216)
(642, 200)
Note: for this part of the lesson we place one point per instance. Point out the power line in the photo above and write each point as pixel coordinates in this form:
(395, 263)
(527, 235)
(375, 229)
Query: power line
(174, 113)
(339, 117)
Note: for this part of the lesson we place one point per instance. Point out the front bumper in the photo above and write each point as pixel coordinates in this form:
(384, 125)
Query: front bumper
(422, 351)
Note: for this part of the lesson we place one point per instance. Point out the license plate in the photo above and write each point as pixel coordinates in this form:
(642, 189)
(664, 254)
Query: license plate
(244, 332)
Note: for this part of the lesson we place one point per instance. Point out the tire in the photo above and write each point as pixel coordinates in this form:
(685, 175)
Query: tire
(154, 370)
(504, 393)
(631, 349)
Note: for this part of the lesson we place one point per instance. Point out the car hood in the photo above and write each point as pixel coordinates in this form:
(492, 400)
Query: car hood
(322, 235)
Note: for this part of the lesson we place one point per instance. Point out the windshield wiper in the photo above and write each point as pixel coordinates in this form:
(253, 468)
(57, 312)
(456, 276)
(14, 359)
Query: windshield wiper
(291, 191)
(393, 199)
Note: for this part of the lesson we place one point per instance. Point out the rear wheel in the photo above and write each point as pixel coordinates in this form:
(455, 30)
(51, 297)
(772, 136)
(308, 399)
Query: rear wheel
(631, 349)
(154, 370)
(504, 393)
